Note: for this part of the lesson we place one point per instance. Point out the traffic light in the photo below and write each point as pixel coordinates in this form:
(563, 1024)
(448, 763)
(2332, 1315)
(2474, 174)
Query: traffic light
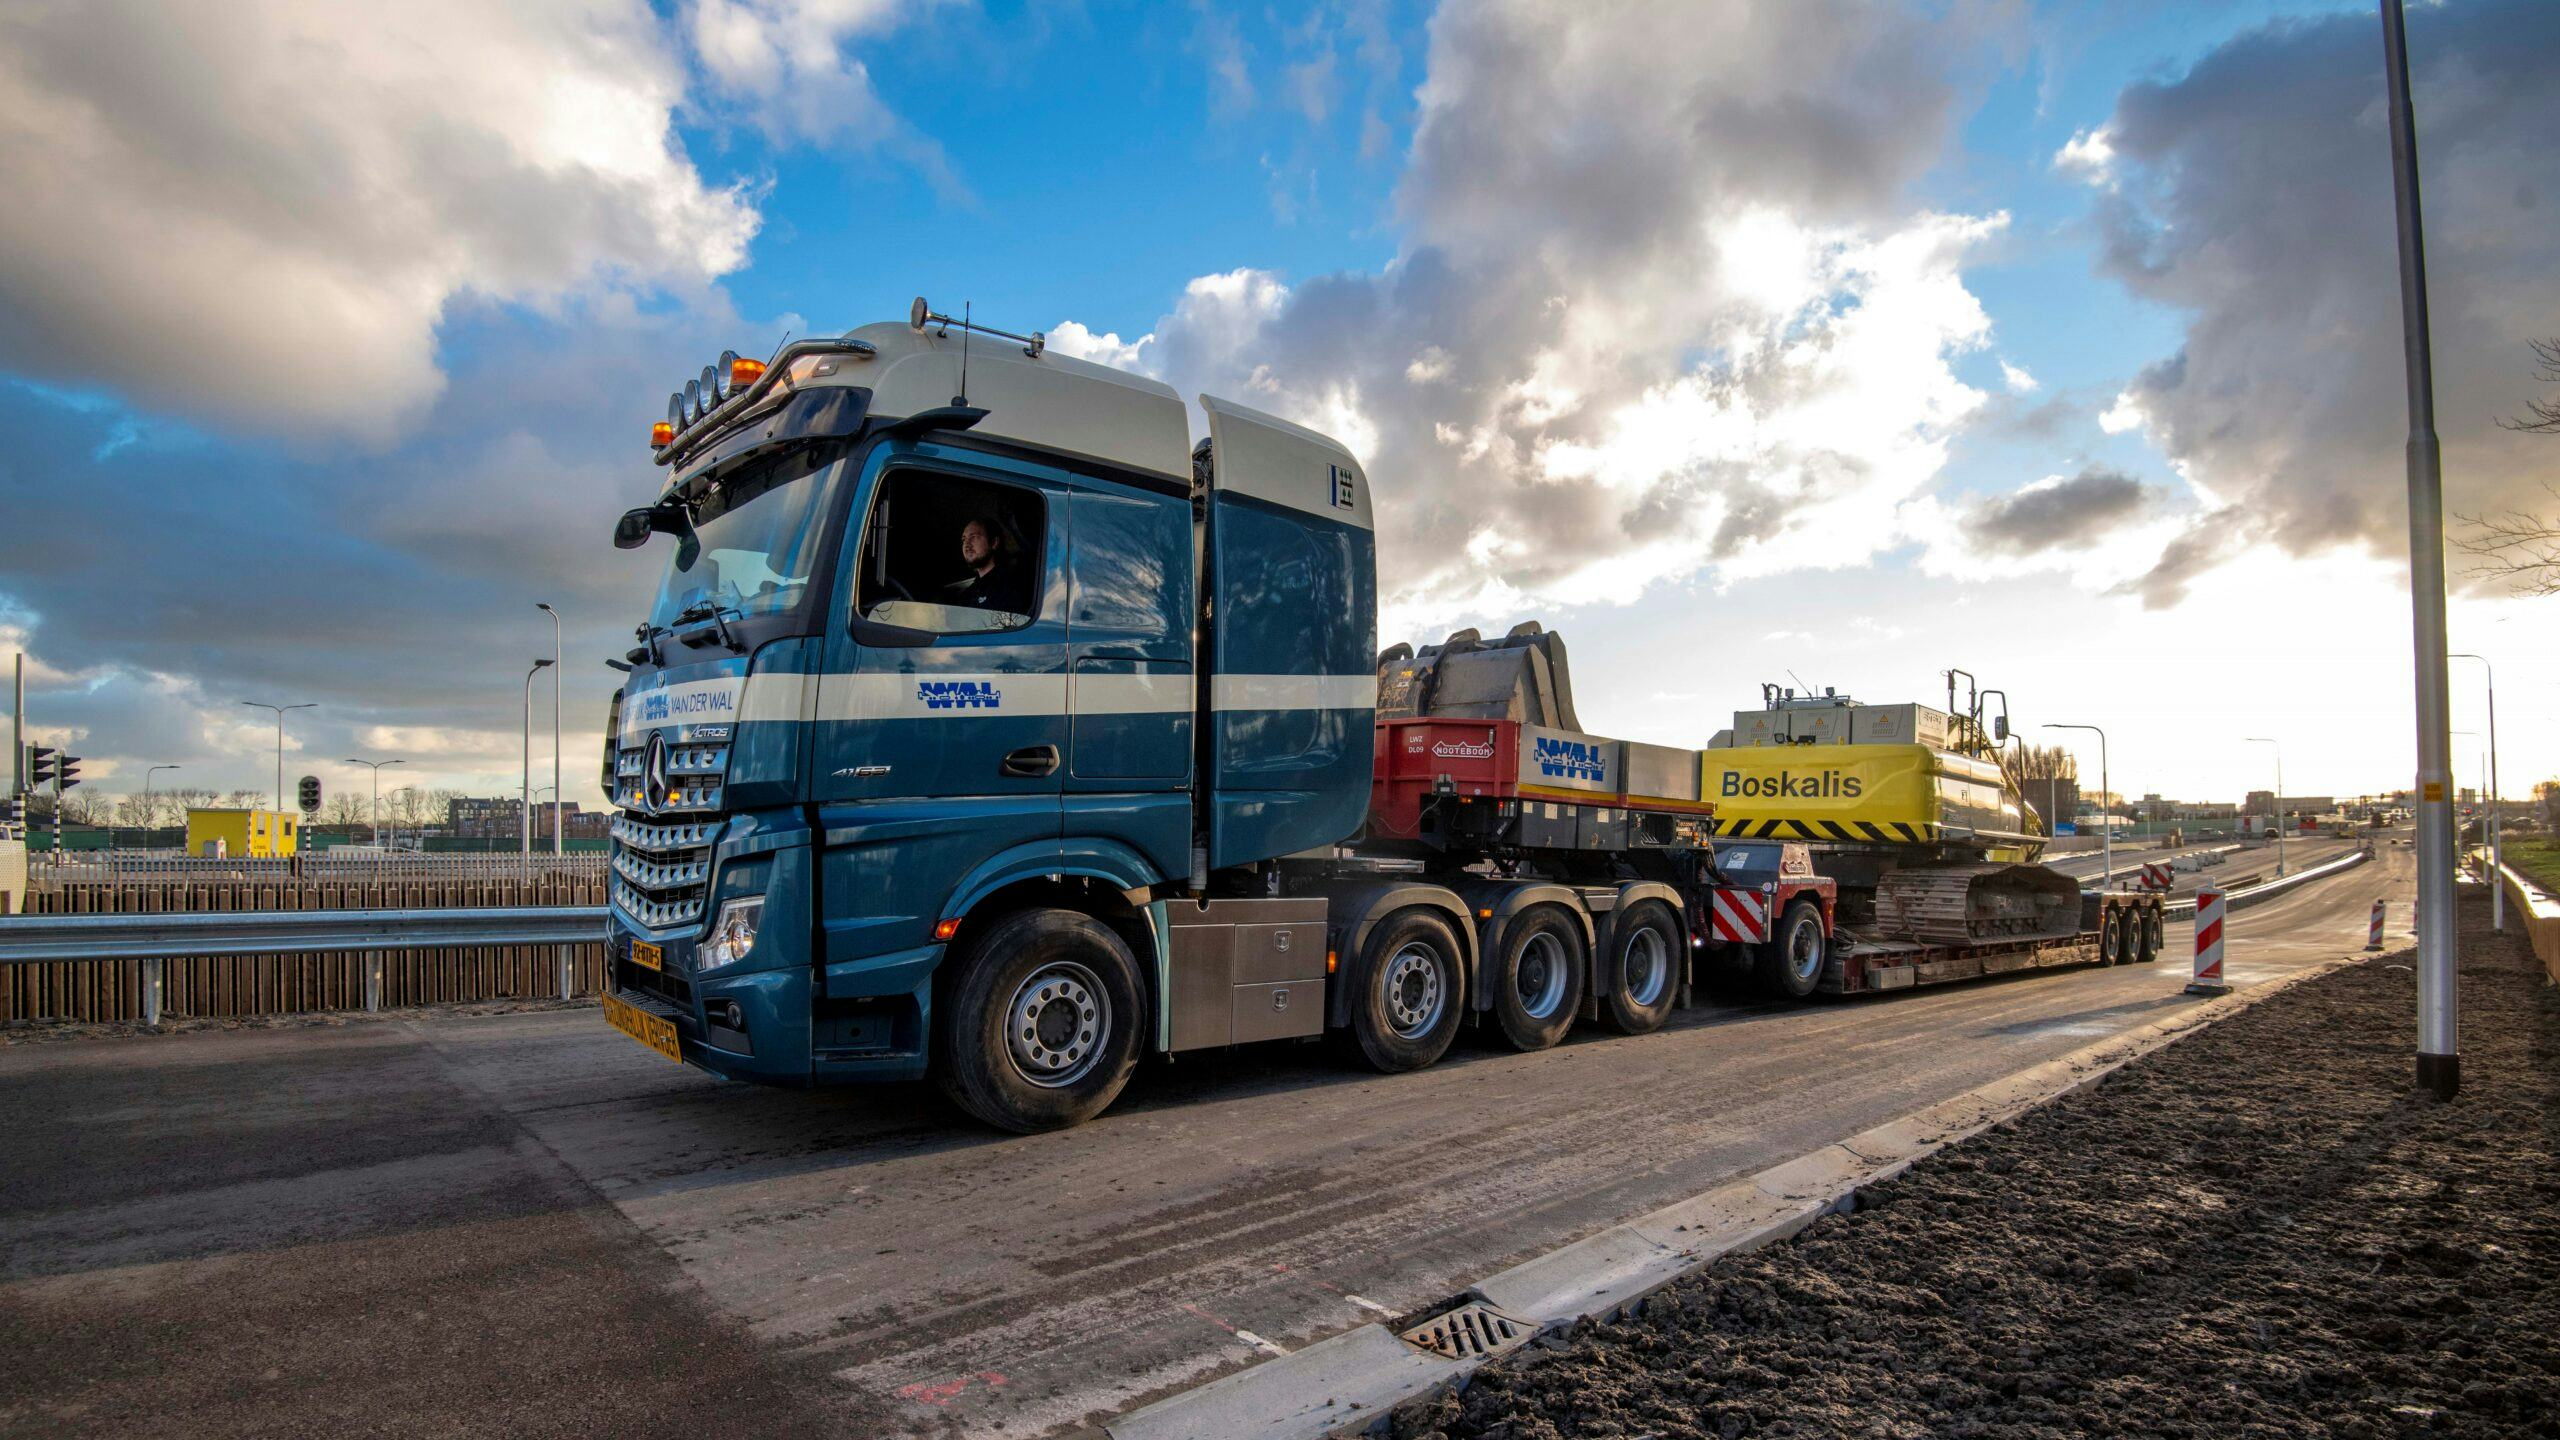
(66, 772)
(40, 765)
(309, 792)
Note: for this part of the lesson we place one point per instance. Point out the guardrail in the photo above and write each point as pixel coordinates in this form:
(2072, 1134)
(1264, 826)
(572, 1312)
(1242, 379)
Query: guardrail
(152, 939)
(2241, 899)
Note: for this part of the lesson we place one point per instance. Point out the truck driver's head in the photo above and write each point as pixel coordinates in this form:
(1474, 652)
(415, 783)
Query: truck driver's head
(978, 540)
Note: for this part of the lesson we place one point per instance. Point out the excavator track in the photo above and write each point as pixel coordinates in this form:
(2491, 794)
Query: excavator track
(1978, 904)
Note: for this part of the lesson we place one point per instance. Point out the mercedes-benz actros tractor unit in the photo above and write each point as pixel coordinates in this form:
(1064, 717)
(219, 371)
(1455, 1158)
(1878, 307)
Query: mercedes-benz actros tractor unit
(986, 728)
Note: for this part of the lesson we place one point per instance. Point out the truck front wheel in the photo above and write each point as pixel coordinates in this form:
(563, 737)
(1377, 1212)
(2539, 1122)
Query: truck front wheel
(1407, 993)
(1039, 1028)
(1791, 960)
(1538, 978)
(1643, 969)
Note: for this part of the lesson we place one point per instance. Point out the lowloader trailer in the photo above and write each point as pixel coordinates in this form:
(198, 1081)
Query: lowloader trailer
(985, 728)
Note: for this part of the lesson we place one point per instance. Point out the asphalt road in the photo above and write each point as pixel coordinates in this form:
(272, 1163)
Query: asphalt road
(526, 1224)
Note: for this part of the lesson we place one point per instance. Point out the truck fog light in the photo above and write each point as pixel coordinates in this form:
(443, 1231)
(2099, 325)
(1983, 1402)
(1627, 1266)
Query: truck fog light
(733, 934)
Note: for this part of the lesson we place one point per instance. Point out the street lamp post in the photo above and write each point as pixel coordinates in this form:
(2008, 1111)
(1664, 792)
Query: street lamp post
(2497, 841)
(2106, 831)
(373, 820)
(556, 667)
(526, 803)
(280, 709)
(2275, 802)
(148, 810)
(2439, 1068)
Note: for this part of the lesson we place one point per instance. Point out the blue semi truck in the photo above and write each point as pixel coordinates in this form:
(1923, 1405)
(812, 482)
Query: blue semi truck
(984, 727)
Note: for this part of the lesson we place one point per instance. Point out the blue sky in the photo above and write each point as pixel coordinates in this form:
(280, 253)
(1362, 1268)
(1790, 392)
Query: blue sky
(1729, 367)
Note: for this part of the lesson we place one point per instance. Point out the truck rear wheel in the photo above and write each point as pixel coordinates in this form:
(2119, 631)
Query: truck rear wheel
(1039, 1028)
(1407, 993)
(1643, 969)
(2110, 937)
(2154, 938)
(1538, 977)
(1791, 960)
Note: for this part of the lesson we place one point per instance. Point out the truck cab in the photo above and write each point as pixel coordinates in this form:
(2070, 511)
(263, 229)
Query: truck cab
(957, 636)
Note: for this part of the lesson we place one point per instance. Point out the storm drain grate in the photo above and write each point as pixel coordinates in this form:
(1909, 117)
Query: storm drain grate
(1471, 1331)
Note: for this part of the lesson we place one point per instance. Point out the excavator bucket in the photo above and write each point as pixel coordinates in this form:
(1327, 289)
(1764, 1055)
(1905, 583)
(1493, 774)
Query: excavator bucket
(1521, 677)
(1977, 904)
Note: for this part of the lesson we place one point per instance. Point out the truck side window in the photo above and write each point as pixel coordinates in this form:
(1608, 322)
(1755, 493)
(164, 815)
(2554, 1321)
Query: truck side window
(953, 556)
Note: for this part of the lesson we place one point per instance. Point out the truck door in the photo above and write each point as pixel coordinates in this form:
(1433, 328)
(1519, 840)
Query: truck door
(1129, 671)
(946, 678)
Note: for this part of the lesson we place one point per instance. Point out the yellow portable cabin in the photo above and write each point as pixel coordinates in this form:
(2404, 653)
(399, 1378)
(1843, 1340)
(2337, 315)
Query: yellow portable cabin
(242, 833)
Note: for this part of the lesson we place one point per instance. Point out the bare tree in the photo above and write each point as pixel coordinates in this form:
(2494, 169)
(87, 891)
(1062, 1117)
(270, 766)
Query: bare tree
(2519, 546)
(2516, 545)
(247, 800)
(348, 808)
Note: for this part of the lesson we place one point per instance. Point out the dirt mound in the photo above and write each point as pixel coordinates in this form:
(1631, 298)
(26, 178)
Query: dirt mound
(2260, 1231)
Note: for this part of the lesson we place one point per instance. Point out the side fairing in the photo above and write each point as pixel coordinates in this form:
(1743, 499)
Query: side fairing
(1293, 636)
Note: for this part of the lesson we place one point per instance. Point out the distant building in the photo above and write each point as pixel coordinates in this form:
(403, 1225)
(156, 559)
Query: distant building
(471, 818)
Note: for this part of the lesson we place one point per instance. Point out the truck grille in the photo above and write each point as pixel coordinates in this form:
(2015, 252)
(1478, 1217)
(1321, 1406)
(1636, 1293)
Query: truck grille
(659, 871)
(697, 776)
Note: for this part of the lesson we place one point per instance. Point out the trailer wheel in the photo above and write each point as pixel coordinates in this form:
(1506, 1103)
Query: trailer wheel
(2154, 940)
(1407, 994)
(1643, 969)
(1038, 1029)
(2110, 936)
(1538, 978)
(1791, 961)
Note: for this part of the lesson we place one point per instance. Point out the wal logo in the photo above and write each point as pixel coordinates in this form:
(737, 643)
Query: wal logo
(1570, 759)
(959, 694)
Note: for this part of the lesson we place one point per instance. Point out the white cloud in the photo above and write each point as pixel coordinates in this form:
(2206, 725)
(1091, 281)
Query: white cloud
(1722, 338)
(2125, 414)
(2017, 379)
(2089, 155)
(259, 213)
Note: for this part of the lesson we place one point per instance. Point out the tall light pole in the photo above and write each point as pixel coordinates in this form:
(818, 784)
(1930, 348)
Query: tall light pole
(147, 810)
(2497, 842)
(526, 804)
(373, 821)
(2106, 831)
(2439, 1069)
(556, 667)
(280, 709)
(2275, 802)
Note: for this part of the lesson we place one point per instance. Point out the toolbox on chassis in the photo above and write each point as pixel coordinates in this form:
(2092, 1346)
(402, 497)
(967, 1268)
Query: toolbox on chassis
(984, 727)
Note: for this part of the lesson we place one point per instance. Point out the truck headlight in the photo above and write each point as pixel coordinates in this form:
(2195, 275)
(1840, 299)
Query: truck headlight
(732, 935)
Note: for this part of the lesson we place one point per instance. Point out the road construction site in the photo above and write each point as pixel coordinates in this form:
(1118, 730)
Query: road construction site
(520, 1218)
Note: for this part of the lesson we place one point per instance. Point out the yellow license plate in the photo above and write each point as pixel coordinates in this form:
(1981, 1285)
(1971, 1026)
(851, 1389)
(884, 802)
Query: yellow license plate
(644, 953)
(640, 1025)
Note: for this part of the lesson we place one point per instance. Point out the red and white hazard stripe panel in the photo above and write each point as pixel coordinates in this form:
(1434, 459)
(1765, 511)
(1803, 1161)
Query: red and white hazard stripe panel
(2156, 877)
(2208, 937)
(1738, 917)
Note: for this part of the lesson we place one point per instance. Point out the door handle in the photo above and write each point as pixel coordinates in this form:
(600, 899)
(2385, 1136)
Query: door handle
(1031, 762)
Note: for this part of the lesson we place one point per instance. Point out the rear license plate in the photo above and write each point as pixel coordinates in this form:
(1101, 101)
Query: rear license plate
(640, 1025)
(644, 953)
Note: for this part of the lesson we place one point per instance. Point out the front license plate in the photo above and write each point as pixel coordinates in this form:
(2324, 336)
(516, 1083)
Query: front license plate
(640, 1025)
(644, 953)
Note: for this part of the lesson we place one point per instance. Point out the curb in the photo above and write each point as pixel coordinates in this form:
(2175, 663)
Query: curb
(1347, 1383)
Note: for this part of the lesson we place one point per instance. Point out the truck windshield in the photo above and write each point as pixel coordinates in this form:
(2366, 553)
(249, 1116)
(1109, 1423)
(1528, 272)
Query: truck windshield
(754, 547)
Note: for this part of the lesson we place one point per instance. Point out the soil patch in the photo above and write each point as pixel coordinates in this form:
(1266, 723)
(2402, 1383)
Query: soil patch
(2258, 1231)
(39, 1032)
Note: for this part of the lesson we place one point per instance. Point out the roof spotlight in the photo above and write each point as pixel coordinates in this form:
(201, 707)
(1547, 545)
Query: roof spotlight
(675, 408)
(692, 401)
(726, 373)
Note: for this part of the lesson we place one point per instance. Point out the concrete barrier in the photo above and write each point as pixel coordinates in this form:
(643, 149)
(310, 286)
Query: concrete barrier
(2539, 911)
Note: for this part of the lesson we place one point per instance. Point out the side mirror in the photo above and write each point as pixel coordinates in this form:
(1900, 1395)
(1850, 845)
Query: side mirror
(2000, 727)
(633, 530)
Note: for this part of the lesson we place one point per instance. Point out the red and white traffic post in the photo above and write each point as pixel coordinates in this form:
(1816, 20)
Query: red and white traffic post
(2208, 978)
(2373, 933)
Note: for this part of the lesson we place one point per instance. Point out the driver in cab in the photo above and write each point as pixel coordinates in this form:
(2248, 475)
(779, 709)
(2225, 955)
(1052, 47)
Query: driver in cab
(996, 578)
